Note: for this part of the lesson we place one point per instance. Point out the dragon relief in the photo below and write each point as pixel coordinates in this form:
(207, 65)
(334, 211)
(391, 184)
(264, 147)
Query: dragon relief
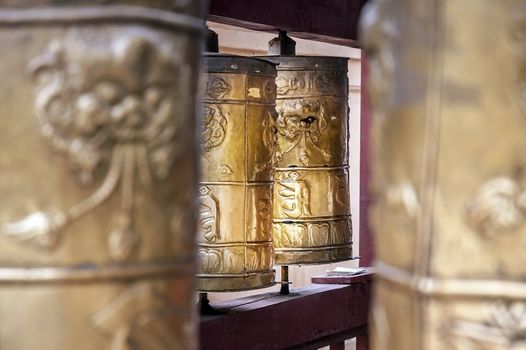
(301, 124)
(113, 114)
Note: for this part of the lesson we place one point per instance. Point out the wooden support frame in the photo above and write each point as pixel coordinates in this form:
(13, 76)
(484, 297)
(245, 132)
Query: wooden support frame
(333, 21)
(308, 318)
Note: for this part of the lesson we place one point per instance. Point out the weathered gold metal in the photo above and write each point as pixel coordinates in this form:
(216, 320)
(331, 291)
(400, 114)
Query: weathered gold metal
(311, 214)
(448, 84)
(96, 237)
(237, 137)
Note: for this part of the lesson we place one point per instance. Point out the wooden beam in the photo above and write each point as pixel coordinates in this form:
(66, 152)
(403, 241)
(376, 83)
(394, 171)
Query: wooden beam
(334, 21)
(310, 317)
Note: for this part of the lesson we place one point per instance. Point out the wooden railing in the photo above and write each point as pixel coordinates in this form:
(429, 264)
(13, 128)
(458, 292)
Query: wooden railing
(325, 313)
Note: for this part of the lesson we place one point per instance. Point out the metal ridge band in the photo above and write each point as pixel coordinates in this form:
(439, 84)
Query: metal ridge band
(234, 183)
(312, 219)
(231, 275)
(309, 96)
(309, 248)
(316, 168)
(451, 287)
(242, 102)
(115, 13)
(236, 244)
(94, 273)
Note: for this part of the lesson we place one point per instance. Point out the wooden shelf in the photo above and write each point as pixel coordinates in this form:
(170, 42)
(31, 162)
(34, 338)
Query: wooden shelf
(308, 318)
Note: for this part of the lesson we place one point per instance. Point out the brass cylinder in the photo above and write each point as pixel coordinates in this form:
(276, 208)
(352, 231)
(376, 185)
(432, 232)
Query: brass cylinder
(450, 187)
(311, 213)
(235, 219)
(96, 238)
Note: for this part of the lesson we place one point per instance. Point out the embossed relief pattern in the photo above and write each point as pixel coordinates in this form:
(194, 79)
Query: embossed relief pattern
(214, 132)
(208, 215)
(294, 195)
(217, 88)
(300, 125)
(297, 193)
(238, 139)
(503, 329)
(147, 312)
(314, 83)
(311, 234)
(231, 260)
(498, 206)
(311, 147)
(111, 119)
(457, 270)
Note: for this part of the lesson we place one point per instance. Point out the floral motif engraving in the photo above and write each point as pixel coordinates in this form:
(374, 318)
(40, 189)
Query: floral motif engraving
(301, 124)
(214, 130)
(285, 84)
(258, 259)
(113, 116)
(146, 312)
(269, 90)
(498, 206)
(294, 195)
(504, 328)
(316, 234)
(269, 141)
(220, 260)
(208, 215)
(319, 83)
(217, 88)
(214, 127)
(263, 215)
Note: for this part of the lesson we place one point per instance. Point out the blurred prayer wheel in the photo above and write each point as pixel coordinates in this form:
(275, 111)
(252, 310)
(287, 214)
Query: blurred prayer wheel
(96, 237)
(449, 173)
(235, 219)
(311, 213)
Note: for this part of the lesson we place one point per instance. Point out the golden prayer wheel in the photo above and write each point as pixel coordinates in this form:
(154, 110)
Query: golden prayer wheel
(449, 180)
(235, 216)
(311, 213)
(97, 243)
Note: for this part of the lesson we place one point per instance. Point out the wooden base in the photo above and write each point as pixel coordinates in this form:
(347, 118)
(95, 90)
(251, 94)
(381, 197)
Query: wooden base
(307, 318)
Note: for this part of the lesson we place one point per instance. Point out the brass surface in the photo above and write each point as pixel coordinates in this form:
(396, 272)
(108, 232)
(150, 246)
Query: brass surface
(96, 238)
(235, 222)
(448, 82)
(311, 212)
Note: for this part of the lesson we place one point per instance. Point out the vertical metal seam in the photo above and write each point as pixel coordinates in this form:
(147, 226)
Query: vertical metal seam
(245, 159)
(432, 120)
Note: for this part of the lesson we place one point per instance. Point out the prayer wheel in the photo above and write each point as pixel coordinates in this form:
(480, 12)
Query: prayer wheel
(98, 174)
(311, 213)
(235, 216)
(449, 173)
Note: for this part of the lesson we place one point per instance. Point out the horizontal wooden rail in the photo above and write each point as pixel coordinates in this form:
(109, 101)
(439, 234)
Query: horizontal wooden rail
(334, 21)
(308, 318)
